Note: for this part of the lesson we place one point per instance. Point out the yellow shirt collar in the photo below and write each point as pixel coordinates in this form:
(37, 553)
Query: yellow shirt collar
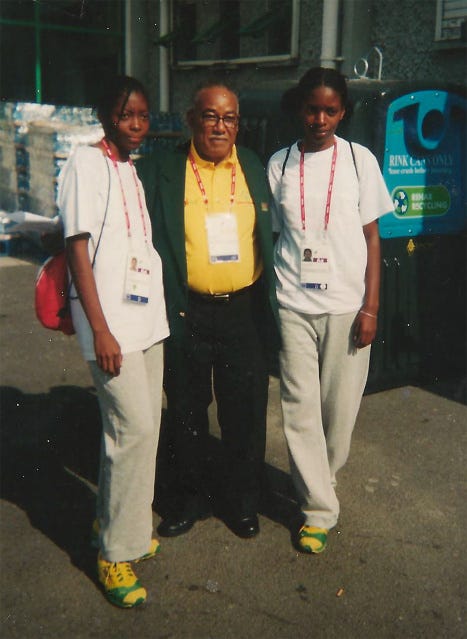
(232, 159)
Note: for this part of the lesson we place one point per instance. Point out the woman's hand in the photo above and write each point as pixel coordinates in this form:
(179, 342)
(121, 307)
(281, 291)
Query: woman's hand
(108, 353)
(364, 329)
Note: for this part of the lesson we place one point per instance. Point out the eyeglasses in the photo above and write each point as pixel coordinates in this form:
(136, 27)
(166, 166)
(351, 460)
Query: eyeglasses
(212, 119)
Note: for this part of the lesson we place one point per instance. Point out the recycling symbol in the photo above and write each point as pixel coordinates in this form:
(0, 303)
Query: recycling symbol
(401, 202)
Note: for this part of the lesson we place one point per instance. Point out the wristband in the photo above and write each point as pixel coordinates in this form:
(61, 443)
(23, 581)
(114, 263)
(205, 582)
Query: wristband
(368, 314)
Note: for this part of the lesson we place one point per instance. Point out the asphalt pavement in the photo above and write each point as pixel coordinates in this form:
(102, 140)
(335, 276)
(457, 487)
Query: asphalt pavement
(394, 568)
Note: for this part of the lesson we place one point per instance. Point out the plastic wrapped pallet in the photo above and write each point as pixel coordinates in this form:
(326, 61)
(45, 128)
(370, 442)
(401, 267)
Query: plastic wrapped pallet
(14, 162)
(49, 144)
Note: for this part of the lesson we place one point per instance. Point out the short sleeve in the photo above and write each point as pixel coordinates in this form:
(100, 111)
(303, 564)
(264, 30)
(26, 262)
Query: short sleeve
(375, 200)
(81, 190)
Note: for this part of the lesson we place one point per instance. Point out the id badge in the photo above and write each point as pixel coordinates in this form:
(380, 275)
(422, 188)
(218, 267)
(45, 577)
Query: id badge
(314, 266)
(138, 278)
(222, 234)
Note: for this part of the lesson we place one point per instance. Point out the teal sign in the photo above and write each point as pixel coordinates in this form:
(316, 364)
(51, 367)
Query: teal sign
(424, 164)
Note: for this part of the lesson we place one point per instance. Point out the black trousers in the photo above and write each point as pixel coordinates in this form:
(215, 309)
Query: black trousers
(223, 349)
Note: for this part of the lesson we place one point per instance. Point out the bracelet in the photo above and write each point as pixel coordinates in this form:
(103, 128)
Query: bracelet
(368, 314)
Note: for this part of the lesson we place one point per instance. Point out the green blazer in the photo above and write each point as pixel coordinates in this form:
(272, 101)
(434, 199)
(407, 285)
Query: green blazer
(163, 177)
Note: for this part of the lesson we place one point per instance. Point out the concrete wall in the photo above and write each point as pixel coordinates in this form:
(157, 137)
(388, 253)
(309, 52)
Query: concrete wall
(403, 30)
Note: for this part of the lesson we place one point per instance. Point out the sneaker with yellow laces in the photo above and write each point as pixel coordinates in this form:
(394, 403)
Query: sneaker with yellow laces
(154, 546)
(312, 539)
(121, 586)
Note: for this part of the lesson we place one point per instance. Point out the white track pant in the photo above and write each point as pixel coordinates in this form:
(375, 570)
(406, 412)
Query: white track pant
(322, 382)
(131, 412)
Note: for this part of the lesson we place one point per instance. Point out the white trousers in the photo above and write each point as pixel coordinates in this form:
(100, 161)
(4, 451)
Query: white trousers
(131, 413)
(322, 382)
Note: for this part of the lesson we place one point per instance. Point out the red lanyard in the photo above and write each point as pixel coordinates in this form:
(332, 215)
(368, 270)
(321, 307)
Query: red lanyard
(302, 186)
(125, 205)
(201, 185)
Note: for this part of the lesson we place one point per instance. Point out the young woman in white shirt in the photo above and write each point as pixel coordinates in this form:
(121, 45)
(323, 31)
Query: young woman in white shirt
(328, 195)
(118, 311)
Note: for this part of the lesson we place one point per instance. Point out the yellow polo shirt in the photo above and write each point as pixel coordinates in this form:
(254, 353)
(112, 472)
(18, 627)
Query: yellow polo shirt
(223, 277)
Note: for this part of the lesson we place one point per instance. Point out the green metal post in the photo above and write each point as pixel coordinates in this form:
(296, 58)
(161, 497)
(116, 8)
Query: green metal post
(38, 65)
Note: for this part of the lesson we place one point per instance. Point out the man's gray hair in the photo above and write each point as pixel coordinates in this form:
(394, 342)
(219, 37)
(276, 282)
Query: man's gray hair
(210, 83)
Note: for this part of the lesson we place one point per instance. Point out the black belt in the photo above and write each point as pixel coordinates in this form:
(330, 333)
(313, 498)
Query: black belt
(219, 298)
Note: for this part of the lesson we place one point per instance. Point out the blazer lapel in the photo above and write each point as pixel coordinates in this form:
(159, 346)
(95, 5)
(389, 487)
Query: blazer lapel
(172, 192)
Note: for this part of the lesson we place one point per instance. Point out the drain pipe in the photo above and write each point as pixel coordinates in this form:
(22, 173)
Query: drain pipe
(164, 98)
(330, 33)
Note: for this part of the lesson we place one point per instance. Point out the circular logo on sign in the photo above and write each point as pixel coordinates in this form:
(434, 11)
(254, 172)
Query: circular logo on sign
(401, 202)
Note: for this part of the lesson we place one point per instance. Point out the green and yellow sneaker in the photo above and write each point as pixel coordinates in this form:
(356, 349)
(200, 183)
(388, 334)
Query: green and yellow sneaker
(154, 546)
(121, 585)
(312, 539)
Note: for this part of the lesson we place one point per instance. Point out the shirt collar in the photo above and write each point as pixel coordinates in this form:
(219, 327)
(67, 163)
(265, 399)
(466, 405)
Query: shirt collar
(228, 162)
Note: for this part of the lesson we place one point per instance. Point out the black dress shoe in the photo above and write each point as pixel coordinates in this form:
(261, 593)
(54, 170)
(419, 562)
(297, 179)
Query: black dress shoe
(245, 527)
(194, 509)
(174, 526)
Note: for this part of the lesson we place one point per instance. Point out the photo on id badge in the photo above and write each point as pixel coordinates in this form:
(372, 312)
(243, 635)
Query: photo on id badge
(137, 281)
(314, 267)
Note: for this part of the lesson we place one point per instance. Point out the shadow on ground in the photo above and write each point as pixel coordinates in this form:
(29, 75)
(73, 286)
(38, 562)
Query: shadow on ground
(49, 467)
(49, 444)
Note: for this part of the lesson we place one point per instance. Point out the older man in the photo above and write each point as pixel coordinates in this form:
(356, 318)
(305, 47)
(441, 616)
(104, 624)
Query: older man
(209, 203)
